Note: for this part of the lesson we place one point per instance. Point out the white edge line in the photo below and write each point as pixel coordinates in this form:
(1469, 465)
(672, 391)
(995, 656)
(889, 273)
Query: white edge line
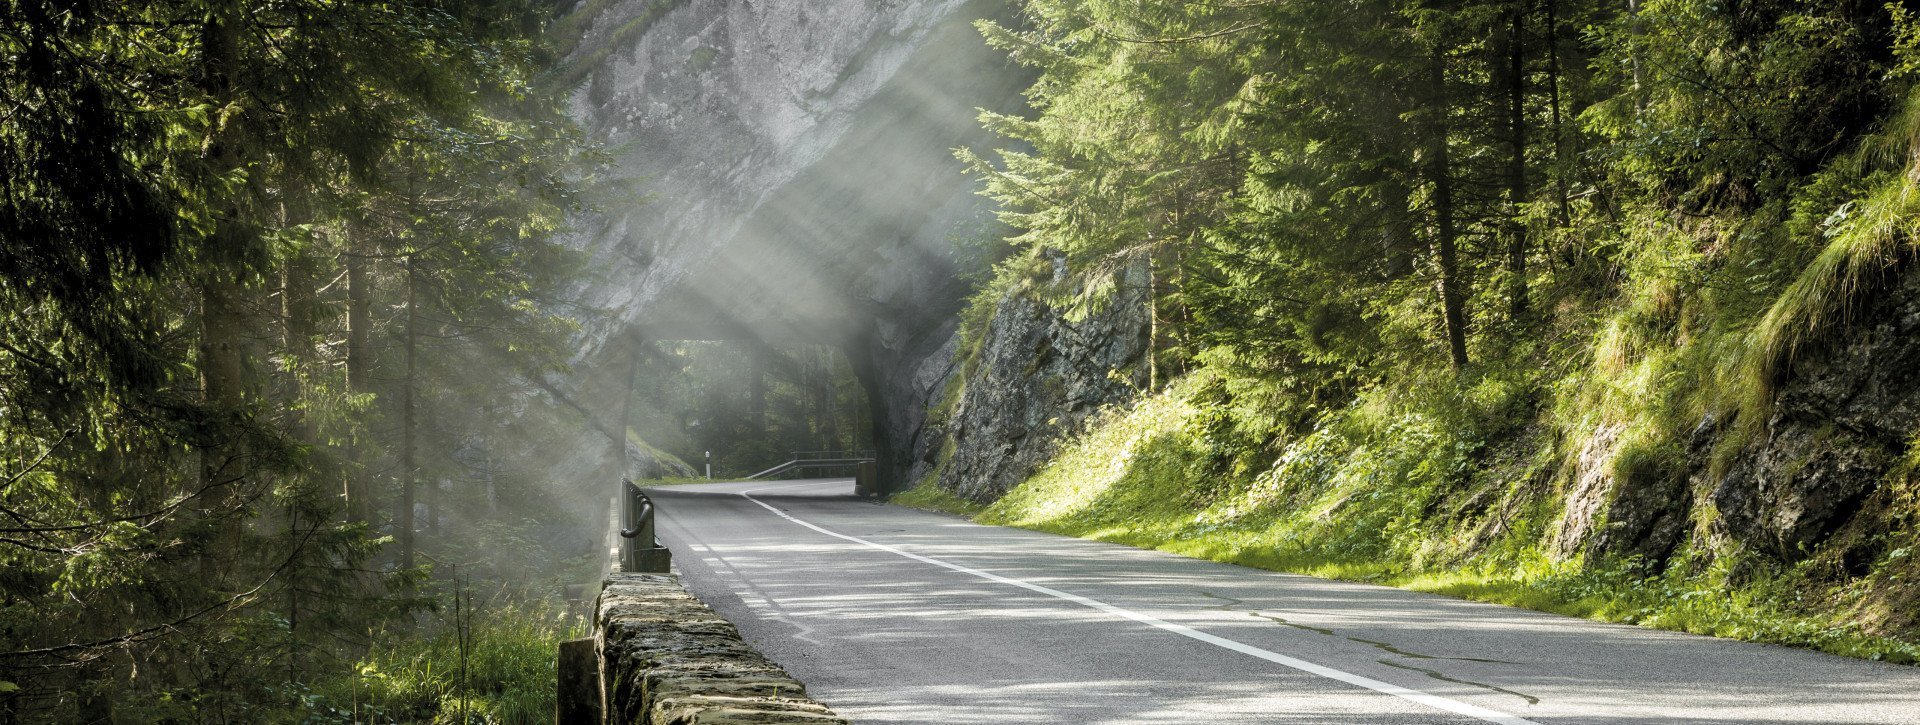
(1428, 699)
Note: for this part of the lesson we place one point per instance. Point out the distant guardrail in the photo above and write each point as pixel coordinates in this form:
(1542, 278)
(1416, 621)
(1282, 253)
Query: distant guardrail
(810, 460)
(831, 455)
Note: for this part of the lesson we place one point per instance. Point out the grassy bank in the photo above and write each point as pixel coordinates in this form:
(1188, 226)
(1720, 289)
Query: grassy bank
(492, 665)
(1452, 492)
(935, 498)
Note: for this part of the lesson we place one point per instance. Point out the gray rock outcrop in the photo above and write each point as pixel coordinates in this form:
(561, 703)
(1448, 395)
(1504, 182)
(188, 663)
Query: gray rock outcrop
(1846, 414)
(1841, 418)
(785, 171)
(1037, 378)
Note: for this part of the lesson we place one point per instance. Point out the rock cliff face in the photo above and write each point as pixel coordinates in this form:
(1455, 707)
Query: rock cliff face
(1036, 378)
(785, 171)
(1839, 423)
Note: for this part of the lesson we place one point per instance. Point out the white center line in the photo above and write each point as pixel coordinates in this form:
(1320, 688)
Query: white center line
(1424, 698)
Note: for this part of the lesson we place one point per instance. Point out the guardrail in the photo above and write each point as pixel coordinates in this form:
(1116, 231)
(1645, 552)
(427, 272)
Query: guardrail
(809, 463)
(819, 455)
(640, 549)
(803, 460)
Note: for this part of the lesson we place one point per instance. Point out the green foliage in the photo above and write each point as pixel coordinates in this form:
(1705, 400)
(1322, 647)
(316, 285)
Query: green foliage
(1398, 491)
(750, 404)
(1435, 266)
(504, 672)
(934, 498)
(225, 228)
(1865, 236)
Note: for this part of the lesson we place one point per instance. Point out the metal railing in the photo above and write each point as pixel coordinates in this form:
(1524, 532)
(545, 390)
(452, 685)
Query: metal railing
(640, 549)
(848, 461)
(819, 455)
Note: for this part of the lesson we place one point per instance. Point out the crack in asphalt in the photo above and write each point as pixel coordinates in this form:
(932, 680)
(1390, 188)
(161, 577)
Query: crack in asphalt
(1531, 700)
(1231, 604)
(1284, 623)
(1416, 655)
(1230, 601)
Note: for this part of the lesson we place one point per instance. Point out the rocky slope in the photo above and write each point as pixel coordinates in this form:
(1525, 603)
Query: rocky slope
(1840, 425)
(1794, 526)
(1034, 377)
(785, 171)
(1811, 474)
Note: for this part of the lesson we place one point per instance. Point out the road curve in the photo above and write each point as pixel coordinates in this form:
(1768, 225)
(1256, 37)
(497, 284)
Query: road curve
(891, 615)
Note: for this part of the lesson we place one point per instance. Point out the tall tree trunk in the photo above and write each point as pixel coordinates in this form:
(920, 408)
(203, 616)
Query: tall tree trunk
(1392, 123)
(222, 370)
(224, 476)
(1633, 55)
(1153, 324)
(429, 486)
(222, 364)
(486, 456)
(620, 427)
(757, 387)
(407, 432)
(1517, 244)
(296, 306)
(1182, 320)
(1396, 230)
(1440, 169)
(293, 598)
(864, 369)
(1553, 104)
(826, 402)
(359, 366)
(296, 315)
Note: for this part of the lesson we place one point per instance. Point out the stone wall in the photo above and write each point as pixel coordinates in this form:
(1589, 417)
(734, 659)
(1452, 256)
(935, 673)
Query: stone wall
(668, 659)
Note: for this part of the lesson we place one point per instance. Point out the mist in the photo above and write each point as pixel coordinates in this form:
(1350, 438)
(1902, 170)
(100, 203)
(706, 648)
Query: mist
(783, 178)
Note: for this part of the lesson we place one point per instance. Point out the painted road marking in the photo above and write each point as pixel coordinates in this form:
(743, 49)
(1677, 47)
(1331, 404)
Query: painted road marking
(1424, 698)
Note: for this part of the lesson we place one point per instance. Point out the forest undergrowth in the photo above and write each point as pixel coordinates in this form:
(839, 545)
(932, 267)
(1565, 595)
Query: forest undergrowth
(491, 661)
(1412, 494)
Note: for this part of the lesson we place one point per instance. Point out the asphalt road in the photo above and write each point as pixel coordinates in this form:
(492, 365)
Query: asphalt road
(891, 615)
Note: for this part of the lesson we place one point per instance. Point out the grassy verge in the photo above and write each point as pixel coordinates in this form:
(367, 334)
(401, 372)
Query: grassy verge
(928, 497)
(505, 674)
(1376, 494)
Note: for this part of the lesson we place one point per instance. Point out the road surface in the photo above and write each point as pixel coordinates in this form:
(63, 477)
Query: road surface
(891, 615)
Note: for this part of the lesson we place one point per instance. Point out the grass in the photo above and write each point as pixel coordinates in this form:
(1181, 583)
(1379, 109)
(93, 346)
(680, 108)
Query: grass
(1366, 497)
(928, 497)
(418, 676)
(1865, 237)
(1862, 246)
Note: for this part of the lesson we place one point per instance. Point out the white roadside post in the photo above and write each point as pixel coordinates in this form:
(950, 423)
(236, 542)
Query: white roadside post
(709, 465)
